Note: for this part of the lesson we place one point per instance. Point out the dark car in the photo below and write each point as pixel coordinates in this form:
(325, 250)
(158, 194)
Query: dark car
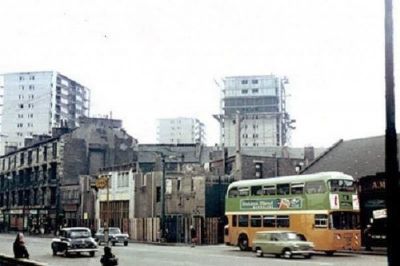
(74, 240)
(114, 236)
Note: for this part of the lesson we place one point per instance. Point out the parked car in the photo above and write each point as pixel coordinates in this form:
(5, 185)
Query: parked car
(74, 240)
(114, 236)
(282, 243)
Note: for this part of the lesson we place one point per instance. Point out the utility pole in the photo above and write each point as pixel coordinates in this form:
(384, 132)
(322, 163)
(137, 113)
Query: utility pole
(163, 184)
(391, 161)
(238, 161)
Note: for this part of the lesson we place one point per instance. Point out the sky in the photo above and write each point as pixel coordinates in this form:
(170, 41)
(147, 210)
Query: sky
(150, 59)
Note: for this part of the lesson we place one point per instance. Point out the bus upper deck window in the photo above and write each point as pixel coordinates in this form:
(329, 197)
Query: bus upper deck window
(256, 191)
(283, 189)
(233, 192)
(269, 190)
(244, 191)
(297, 189)
(315, 187)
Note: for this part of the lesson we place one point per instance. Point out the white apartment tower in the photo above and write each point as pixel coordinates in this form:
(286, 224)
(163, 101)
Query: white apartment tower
(35, 102)
(260, 104)
(180, 131)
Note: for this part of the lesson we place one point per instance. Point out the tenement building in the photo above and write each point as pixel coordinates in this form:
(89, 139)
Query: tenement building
(41, 183)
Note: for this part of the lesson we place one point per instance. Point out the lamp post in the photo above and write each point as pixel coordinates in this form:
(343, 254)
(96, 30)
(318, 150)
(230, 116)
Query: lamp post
(391, 161)
(103, 183)
(163, 184)
(9, 177)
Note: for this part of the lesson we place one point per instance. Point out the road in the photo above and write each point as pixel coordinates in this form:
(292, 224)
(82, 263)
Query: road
(146, 254)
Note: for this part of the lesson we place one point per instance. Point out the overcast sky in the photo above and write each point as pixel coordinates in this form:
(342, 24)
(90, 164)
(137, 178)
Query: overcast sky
(145, 60)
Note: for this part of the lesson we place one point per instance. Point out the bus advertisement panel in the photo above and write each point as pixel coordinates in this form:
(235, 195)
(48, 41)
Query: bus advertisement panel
(323, 207)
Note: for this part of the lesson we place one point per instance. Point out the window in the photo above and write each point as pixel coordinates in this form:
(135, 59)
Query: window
(254, 90)
(21, 78)
(123, 180)
(32, 77)
(158, 194)
(44, 153)
(269, 190)
(254, 81)
(345, 220)
(258, 170)
(269, 221)
(234, 220)
(282, 221)
(178, 184)
(321, 220)
(245, 91)
(31, 87)
(244, 191)
(255, 221)
(243, 220)
(297, 189)
(315, 187)
(244, 81)
(256, 191)
(54, 150)
(341, 185)
(283, 189)
(233, 192)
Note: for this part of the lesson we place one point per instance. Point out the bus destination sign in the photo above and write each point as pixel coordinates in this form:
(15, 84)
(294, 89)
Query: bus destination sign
(268, 204)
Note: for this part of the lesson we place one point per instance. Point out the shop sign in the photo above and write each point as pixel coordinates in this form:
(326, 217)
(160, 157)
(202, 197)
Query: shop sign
(16, 212)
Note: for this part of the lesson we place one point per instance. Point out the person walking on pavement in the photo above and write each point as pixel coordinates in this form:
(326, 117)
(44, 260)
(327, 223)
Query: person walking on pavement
(19, 247)
(193, 235)
(367, 237)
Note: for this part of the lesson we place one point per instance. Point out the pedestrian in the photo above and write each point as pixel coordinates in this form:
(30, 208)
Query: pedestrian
(19, 247)
(367, 237)
(108, 259)
(193, 236)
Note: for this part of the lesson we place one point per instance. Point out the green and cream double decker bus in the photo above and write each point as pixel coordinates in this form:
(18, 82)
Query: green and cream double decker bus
(323, 207)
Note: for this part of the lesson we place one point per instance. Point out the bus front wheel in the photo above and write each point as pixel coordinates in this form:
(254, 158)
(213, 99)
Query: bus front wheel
(243, 242)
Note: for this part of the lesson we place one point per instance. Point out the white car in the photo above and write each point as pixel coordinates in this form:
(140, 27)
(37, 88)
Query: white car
(114, 236)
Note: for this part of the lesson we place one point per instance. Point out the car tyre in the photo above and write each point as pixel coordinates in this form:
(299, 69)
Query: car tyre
(308, 256)
(259, 252)
(125, 243)
(287, 253)
(113, 243)
(91, 253)
(54, 251)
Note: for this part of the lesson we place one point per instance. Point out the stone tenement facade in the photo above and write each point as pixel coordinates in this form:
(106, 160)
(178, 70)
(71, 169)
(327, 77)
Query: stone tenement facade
(40, 184)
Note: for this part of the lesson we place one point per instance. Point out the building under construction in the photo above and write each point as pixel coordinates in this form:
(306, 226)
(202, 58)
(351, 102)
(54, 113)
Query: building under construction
(254, 108)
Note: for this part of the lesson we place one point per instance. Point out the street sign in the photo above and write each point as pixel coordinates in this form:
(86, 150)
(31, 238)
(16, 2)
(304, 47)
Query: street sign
(101, 182)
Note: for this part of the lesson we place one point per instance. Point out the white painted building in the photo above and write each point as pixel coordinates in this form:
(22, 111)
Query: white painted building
(180, 130)
(121, 198)
(260, 103)
(35, 102)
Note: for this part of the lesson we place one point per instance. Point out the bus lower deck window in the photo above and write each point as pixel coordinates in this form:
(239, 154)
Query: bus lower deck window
(282, 221)
(269, 221)
(255, 221)
(243, 220)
